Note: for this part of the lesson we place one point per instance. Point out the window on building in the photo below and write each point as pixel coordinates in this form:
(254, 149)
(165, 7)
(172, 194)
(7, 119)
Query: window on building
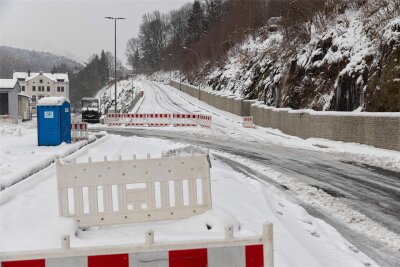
(62, 88)
(23, 88)
(34, 98)
(41, 96)
(58, 88)
(41, 81)
(21, 79)
(48, 88)
(34, 89)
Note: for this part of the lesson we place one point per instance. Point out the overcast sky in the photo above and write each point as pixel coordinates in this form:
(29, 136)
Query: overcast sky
(74, 28)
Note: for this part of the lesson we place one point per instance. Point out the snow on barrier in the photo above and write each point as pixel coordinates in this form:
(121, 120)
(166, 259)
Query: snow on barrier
(228, 252)
(135, 190)
(79, 131)
(248, 122)
(159, 120)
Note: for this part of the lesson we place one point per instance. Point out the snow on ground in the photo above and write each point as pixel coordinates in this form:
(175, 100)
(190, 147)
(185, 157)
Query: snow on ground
(227, 123)
(20, 154)
(32, 220)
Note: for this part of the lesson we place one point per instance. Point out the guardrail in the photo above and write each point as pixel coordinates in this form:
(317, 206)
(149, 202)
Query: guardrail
(229, 252)
(159, 120)
(135, 190)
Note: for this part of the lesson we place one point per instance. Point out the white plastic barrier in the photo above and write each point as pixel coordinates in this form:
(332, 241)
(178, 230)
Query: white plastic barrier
(248, 122)
(254, 251)
(135, 190)
(159, 120)
(79, 131)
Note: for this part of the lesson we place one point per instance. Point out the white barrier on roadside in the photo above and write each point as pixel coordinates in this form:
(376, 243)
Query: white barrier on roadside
(248, 122)
(254, 251)
(135, 190)
(159, 120)
(79, 131)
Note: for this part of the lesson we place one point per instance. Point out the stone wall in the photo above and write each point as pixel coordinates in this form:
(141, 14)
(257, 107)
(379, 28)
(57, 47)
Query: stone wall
(375, 129)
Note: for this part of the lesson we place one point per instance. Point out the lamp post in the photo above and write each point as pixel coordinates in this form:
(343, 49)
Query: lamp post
(198, 59)
(115, 60)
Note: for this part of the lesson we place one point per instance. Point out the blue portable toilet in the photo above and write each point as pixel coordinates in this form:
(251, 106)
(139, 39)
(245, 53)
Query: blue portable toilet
(54, 121)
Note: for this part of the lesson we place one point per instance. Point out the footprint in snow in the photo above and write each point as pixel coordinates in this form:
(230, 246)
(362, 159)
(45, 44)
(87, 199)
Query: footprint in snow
(307, 221)
(314, 233)
(281, 205)
(279, 212)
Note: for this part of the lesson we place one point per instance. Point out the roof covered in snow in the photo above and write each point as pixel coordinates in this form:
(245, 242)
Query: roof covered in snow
(56, 77)
(8, 83)
(52, 101)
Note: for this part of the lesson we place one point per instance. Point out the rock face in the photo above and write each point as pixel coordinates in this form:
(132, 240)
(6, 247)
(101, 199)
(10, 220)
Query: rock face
(343, 68)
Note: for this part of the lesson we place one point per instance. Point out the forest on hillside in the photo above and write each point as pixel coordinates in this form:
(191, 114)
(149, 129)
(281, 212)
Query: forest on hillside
(17, 59)
(322, 54)
(85, 79)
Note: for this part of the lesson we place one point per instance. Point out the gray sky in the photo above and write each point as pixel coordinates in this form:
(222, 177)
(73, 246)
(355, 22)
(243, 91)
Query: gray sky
(73, 28)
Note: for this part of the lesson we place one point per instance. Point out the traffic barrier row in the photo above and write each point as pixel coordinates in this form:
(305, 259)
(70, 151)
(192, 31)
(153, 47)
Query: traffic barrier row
(229, 252)
(79, 131)
(124, 191)
(159, 120)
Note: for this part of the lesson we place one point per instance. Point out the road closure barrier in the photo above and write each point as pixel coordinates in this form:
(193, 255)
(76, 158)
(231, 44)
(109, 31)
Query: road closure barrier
(230, 251)
(134, 190)
(159, 120)
(248, 122)
(79, 131)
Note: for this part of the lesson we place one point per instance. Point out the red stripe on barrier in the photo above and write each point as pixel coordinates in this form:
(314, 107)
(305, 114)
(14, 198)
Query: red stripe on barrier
(254, 256)
(27, 263)
(185, 258)
(119, 260)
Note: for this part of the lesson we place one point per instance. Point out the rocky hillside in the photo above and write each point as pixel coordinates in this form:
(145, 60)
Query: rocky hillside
(351, 62)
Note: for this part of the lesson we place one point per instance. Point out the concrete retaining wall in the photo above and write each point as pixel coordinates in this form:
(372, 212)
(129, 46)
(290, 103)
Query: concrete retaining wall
(375, 129)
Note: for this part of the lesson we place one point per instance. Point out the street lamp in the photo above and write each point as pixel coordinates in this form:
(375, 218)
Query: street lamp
(115, 60)
(170, 67)
(198, 59)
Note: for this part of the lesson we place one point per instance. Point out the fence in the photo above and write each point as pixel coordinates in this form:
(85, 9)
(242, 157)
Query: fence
(229, 252)
(136, 190)
(159, 120)
(8, 119)
(79, 131)
(375, 129)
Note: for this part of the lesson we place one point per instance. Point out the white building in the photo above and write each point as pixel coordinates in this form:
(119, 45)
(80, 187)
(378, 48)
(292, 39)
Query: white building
(39, 84)
(13, 104)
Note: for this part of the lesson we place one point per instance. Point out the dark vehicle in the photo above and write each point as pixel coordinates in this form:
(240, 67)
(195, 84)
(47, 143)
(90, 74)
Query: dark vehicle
(90, 110)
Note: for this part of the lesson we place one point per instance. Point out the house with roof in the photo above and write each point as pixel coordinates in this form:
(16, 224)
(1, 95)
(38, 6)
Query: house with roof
(14, 105)
(42, 84)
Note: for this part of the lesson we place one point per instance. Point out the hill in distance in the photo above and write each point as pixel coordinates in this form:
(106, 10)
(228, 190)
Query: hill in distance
(17, 59)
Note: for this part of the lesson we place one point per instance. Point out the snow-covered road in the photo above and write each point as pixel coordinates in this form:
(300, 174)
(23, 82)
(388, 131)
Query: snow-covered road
(349, 190)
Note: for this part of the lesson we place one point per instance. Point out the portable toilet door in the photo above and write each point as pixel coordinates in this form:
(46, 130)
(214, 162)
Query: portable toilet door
(65, 113)
(54, 121)
(49, 122)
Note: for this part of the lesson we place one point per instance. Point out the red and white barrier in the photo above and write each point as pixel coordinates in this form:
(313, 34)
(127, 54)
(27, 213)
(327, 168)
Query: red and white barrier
(205, 121)
(248, 122)
(79, 131)
(8, 119)
(159, 120)
(229, 252)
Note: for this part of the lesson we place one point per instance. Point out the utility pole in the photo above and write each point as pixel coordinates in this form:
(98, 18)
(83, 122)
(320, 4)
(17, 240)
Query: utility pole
(115, 60)
(198, 59)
